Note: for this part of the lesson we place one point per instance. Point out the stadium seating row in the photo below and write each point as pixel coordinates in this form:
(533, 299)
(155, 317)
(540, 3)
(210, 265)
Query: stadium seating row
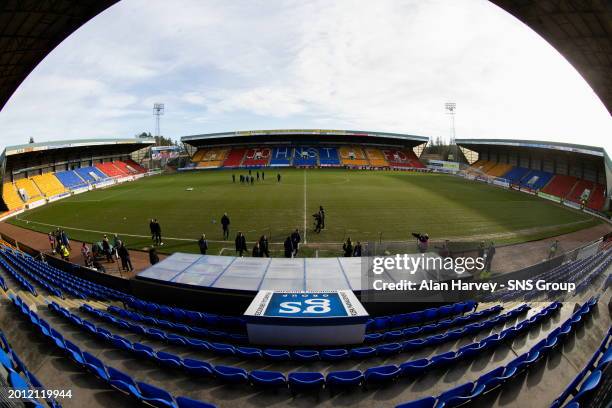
(566, 187)
(142, 392)
(27, 190)
(305, 156)
(20, 378)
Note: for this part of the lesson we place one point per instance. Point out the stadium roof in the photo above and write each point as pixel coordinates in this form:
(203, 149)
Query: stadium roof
(62, 144)
(276, 132)
(535, 144)
(31, 29)
(581, 30)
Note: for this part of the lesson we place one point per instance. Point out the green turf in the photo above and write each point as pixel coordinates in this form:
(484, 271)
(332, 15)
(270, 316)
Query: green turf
(365, 205)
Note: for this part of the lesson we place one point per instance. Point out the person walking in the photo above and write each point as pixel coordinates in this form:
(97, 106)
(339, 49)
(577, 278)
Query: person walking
(64, 252)
(225, 223)
(86, 253)
(240, 242)
(295, 241)
(106, 248)
(357, 249)
(203, 244)
(233, 178)
(52, 241)
(124, 255)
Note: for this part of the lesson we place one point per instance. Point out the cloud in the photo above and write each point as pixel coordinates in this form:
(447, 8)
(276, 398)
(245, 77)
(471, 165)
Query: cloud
(388, 66)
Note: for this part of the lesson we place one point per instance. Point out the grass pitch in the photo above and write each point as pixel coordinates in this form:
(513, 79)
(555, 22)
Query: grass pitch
(365, 205)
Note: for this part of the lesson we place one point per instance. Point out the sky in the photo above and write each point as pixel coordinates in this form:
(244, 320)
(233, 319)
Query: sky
(386, 65)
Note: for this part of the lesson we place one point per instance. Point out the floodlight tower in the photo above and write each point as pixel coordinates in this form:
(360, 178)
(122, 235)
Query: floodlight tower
(450, 108)
(158, 110)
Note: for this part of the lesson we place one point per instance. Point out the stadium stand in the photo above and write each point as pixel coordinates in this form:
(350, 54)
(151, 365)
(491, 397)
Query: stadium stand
(210, 158)
(27, 185)
(305, 156)
(49, 184)
(124, 168)
(234, 157)
(536, 180)
(376, 157)
(10, 196)
(70, 179)
(135, 166)
(257, 156)
(91, 174)
(499, 169)
(110, 169)
(328, 156)
(402, 158)
(353, 156)
(579, 189)
(560, 185)
(597, 197)
(281, 156)
(515, 175)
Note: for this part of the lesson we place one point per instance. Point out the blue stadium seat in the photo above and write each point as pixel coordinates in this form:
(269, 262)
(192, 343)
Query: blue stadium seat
(231, 374)
(156, 396)
(184, 402)
(328, 156)
(305, 381)
(334, 354)
(197, 367)
(305, 355)
(249, 352)
(267, 379)
(95, 366)
(169, 360)
(122, 382)
(381, 375)
(414, 368)
(277, 355)
(427, 402)
(342, 379)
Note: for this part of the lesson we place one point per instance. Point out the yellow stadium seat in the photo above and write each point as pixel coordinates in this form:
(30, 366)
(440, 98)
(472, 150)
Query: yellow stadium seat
(376, 157)
(30, 188)
(353, 156)
(208, 158)
(49, 184)
(11, 197)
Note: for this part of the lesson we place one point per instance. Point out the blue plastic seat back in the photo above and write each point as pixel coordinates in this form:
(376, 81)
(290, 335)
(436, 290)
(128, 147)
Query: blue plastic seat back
(154, 394)
(184, 402)
(427, 402)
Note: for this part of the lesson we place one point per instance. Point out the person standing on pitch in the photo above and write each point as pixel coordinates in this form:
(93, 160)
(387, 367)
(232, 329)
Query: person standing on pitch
(233, 178)
(347, 247)
(256, 251)
(264, 246)
(357, 249)
(257, 176)
(241, 245)
(158, 233)
(152, 228)
(288, 245)
(322, 215)
(203, 244)
(225, 223)
(295, 241)
(263, 176)
(278, 177)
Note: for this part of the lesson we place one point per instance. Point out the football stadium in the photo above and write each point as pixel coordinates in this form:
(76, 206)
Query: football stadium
(305, 267)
